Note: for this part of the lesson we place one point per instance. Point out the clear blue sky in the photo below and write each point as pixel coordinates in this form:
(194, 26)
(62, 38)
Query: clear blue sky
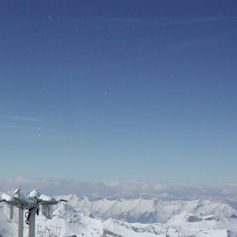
(119, 90)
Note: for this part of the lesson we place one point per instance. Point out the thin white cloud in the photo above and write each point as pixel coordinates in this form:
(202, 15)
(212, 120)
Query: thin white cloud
(185, 21)
(38, 129)
(104, 23)
(196, 43)
(169, 21)
(199, 42)
(21, 118)
(110, 189)
(126, 20)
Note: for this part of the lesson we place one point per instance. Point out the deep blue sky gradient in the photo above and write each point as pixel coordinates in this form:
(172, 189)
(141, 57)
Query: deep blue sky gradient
(127, 90)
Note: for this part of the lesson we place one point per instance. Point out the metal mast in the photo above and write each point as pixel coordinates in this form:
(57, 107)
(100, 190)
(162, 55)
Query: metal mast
(31, 205)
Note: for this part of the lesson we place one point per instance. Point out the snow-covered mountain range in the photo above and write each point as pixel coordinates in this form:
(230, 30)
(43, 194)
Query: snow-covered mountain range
(146, 210)
(131, 217)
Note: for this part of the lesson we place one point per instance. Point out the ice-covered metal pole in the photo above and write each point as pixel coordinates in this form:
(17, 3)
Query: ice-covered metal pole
(32, 222)
(30, 204)
(20, 222)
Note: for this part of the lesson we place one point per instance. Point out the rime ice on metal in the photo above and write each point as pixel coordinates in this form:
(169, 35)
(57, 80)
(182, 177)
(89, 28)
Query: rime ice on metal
(32, 205)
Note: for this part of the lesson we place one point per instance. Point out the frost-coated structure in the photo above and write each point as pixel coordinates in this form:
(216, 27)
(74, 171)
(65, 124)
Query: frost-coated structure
(31, 205)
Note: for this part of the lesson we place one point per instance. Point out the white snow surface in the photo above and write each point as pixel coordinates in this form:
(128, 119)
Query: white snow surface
(46, 198)
(113, 218)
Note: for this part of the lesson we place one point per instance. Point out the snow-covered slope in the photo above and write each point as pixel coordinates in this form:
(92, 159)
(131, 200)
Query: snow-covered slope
(69, 222)
(174, 218)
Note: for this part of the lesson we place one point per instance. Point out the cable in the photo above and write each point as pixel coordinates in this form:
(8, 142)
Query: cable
(27, 216)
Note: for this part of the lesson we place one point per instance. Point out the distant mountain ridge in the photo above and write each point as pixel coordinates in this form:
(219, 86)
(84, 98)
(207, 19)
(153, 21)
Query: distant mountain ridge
(147, 210)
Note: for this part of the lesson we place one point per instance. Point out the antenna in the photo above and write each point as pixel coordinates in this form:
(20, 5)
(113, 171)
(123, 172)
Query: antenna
(31, 205)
